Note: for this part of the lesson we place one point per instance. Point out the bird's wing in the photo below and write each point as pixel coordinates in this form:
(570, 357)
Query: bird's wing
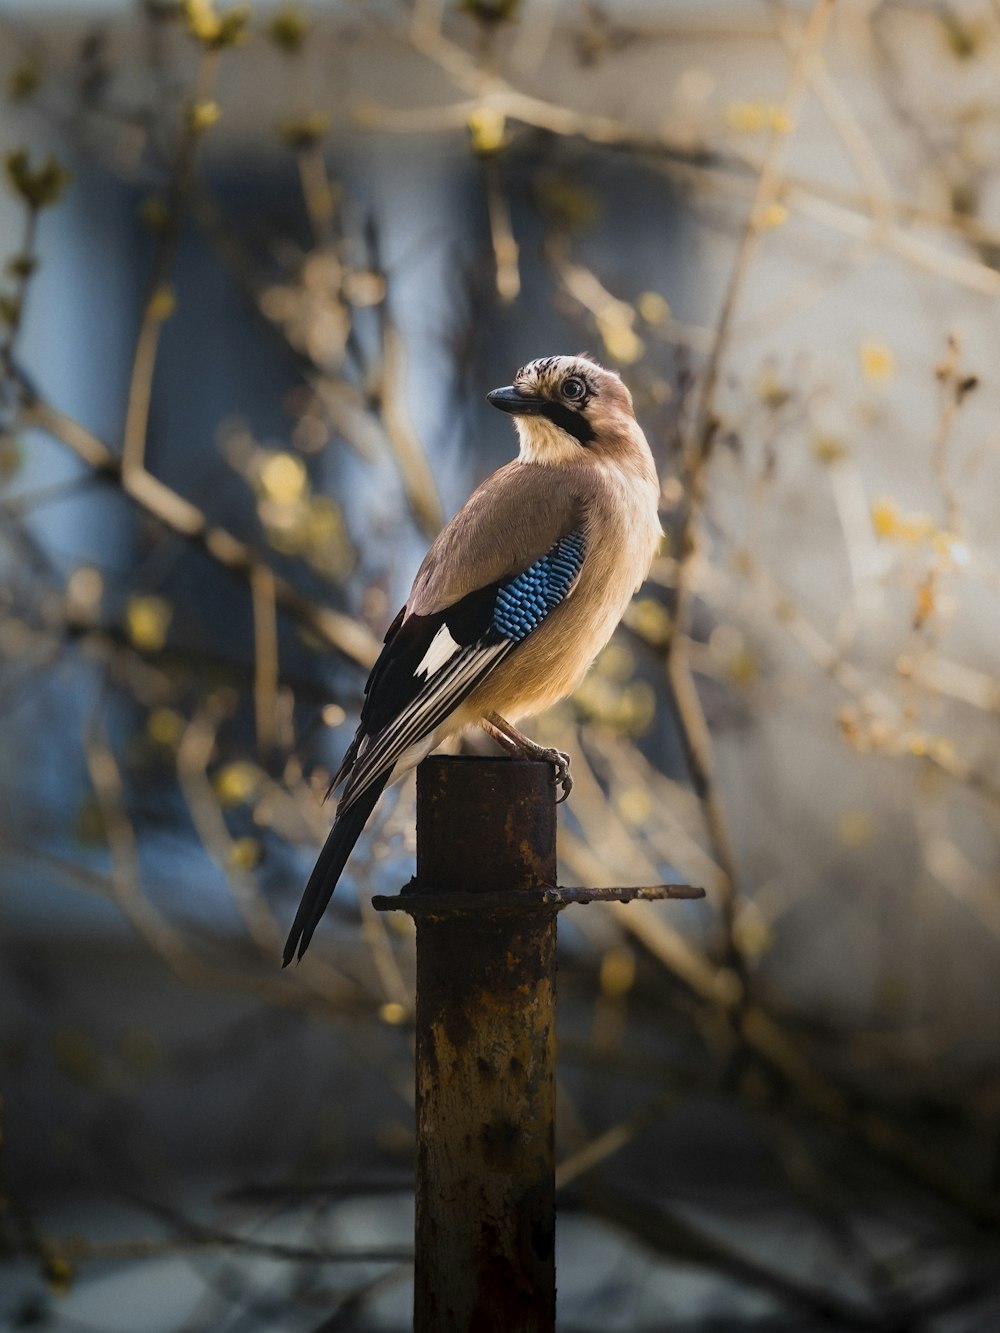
(508, 522)
(431, 662)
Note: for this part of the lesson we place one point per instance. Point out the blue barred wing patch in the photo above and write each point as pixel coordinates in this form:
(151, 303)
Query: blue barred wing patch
(408, 695)
(524, 602)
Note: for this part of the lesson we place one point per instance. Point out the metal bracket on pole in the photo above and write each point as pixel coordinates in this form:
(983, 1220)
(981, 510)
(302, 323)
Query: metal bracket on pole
(485, 901)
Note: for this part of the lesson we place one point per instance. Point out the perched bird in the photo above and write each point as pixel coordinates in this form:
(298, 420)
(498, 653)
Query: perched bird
(513, 601)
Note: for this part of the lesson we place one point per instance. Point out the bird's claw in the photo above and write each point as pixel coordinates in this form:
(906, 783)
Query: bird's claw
(523, 747)
(559, 760)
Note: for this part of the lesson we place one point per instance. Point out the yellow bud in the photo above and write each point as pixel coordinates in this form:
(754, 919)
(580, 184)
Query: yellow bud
(203, 115)
(304, 131)
(202, 20)
(162, 303)
(487, 129)
(771, 215)
(890, 521)
(616, 662)
(915, 527)
(244, 854)
(885, 518)
(283, 478)
(59, 1273)
(621, 341)
(746, 117)
(650, 619)
(638, 708)
(39, 186)
(165, 726)
(770, 389)
(753, 931)
(24, 80)
(653, 308)
(635, 805)
(11, 457)
(828, 449)
(742, 668)
(289, 28)
(925, 602)
(490, 12)
(755, 117)
(10, 310)
(235, 783)
(147, 620)
(213, 29)
(877, 361)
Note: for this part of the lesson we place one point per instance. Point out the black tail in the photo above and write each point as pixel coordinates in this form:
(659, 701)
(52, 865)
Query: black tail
(328, 868)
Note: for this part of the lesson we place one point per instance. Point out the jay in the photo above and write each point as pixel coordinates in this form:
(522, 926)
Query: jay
(513, 601)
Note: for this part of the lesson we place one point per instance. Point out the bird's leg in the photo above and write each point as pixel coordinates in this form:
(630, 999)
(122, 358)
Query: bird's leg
(520, 746)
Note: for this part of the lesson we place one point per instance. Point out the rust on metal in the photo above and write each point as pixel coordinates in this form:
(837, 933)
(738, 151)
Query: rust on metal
(485, 1037)
(486, 902)
(627, 893)
(419, 901)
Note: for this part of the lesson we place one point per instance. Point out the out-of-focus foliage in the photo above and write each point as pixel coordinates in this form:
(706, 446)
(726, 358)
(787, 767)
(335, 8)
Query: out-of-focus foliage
(800, 711)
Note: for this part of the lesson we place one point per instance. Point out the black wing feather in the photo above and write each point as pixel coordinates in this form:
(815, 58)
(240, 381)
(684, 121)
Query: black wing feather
(339, 844)
(405, 703)
(394, 683)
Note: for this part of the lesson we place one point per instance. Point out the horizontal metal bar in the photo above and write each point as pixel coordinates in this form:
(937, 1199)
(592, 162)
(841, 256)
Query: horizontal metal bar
(628, 893)
(420, 900)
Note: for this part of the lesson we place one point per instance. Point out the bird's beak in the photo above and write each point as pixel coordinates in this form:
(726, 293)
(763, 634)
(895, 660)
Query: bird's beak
(516, 403)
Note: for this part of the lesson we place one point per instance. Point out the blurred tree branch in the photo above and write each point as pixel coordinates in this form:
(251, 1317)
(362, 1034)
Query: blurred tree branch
(771, 454)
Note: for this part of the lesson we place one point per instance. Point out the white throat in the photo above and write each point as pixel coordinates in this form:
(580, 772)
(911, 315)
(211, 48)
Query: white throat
(544, 442)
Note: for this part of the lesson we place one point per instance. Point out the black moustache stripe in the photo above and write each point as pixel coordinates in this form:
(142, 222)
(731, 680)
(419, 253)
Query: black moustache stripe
(570, 421)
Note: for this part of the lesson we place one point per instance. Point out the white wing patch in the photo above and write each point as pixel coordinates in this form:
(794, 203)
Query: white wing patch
(441, 650)
(421, 715)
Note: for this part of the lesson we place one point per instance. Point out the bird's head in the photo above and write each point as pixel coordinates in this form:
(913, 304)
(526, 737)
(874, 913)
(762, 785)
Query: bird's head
(566, 408)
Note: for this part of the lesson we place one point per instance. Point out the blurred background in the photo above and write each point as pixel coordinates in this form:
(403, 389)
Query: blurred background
(260, 268)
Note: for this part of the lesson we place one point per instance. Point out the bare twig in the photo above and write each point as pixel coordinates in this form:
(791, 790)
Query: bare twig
(691, 719)
(343, 633)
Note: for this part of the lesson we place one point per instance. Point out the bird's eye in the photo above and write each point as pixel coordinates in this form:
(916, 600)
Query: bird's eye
(573, 389)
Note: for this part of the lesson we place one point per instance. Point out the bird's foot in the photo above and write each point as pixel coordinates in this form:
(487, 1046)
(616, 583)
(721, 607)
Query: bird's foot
(559, 760)
(523, 747)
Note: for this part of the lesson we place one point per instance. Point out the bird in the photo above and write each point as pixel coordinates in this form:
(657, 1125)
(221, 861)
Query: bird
(514, 599)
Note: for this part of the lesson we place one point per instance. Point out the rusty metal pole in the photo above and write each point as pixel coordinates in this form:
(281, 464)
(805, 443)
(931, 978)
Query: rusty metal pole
(485, 901)
(485, 1058)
